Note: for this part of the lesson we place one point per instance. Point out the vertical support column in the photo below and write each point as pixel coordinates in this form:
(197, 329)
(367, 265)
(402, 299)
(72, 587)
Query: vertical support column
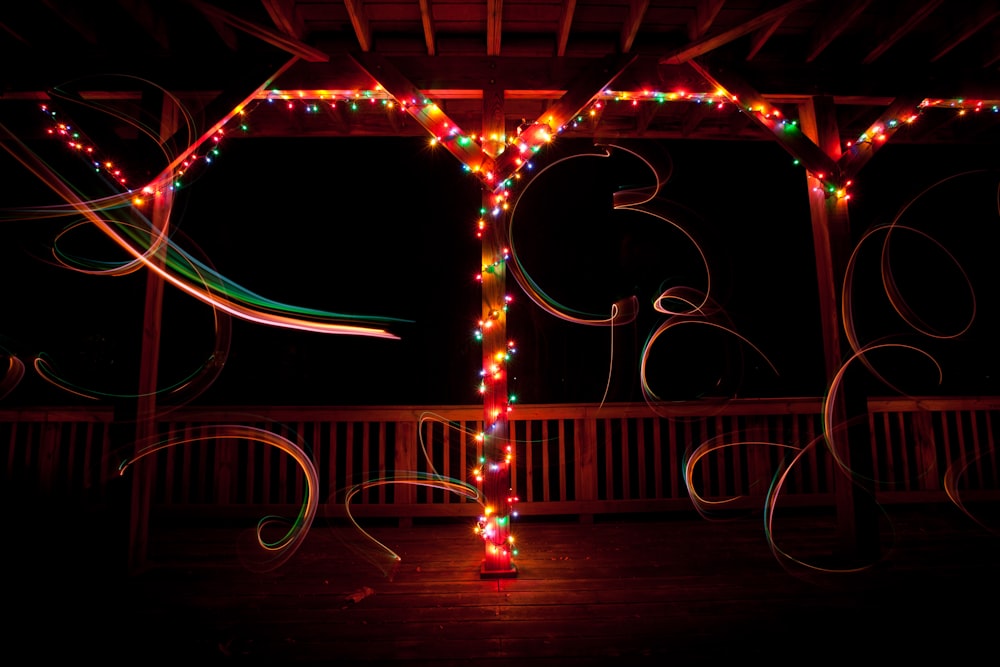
(857, 526)
(498, 448)
(145, 409)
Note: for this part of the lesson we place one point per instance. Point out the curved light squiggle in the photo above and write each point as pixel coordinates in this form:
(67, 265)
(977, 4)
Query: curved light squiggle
(952, 479)
(277, 551)
(12, 375)
(633, 199)
(431, 479)
(428, 480)
(797, 565)
(836, 387)
(154, 250)
(709, 508)
(702, 504)
(896, 299)
(181, 391)
(648, 393)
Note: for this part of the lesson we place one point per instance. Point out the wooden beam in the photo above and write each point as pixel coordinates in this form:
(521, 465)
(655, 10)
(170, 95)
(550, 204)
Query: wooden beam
(895, 117)
(760, 37)
(759, 109)
(565, 23)
(70, 15)
(711, 42)
(494, 26)
(705, 12)
(584, 89)
(831, 233)
(969, 27)
(693, 116)
(226, 109)
(338, 114)
(426, 112)
(427, 21)
(496, 478)
(225, 32)
(286, 17)
(7, 30)
(909, 19)
(992, 56)
(587, 87)
(636, 13)
(644, 116)
(359, 20)
(151, 19)
(830, 27)
(149, 361)
(283, 42)
(856, 517)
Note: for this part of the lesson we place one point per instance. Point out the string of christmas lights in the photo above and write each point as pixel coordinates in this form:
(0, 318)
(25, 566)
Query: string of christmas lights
(497, 160)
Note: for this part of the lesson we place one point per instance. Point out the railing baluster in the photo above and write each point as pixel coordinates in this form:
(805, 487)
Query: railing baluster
(641, 452)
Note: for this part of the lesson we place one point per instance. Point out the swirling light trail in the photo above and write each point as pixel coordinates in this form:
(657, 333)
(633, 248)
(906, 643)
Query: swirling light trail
(12, 375)
(428, 480)
(276, 552)
(682, 319)
(237, 301)
(627, 199)
(896, 299)
(836, 387)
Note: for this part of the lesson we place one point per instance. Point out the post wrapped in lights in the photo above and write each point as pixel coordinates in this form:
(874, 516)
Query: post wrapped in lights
(495, 465)
(496, 159)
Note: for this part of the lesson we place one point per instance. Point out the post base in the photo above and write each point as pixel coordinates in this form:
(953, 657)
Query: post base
(496, 574)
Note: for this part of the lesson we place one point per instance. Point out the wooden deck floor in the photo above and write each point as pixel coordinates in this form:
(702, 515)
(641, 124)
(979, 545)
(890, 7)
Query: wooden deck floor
(621, 590)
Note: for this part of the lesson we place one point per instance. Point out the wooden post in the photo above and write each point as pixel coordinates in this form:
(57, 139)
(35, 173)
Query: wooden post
(145, 408)
(857, 527)
(498, 448)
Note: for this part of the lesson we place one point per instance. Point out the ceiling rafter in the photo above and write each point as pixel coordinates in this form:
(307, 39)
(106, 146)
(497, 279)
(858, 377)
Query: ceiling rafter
(692, 118)
(644, 117)
(150, 20)
(796, 143)
(546, 46)
(494, 26)
(760, 37)
(831, 27)
(72, 18)
(711, 42)
(225, 33)
(565, 23)
(704, 15)
(429, 115)
(932, 121)
(286, 17)
(636, 13)
(993, 56)
(359, 20)
(277, 39)
(341, 120)
(912, 19)
(969, 27)
(853, 160)
(427, 22)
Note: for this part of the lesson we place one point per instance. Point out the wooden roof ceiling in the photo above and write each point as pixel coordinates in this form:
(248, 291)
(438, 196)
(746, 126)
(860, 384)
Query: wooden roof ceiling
(634, 68)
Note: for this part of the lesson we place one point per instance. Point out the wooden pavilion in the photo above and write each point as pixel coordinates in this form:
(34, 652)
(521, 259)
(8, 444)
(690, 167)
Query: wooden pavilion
(492, 82)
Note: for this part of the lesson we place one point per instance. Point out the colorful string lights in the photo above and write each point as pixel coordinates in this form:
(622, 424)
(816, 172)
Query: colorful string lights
(497, 160)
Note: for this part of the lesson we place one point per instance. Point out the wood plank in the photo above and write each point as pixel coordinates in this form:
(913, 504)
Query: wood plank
(905, 444)
(632, 592)
(562, 445)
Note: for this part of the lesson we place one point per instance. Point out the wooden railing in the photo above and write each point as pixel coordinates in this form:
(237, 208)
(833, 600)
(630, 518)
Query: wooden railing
(570, 459)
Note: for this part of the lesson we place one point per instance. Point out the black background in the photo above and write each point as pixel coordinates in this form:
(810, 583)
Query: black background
(386, 227)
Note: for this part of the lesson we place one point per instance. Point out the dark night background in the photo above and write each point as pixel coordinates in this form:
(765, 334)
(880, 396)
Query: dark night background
(385, 226)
